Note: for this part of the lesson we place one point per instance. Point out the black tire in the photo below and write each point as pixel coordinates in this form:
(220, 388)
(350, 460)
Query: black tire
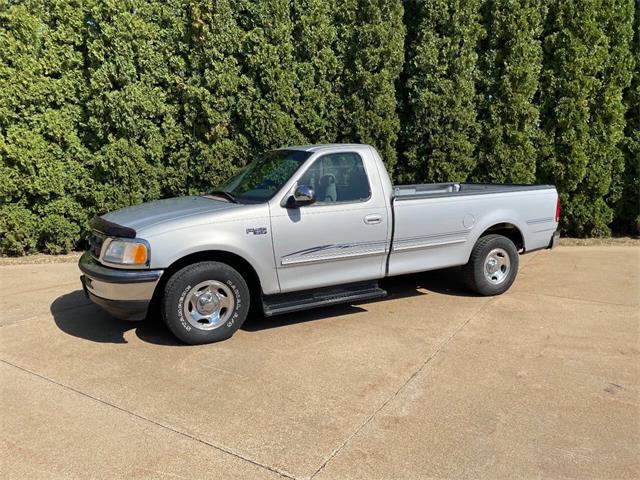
(179, 288)
(474, 270)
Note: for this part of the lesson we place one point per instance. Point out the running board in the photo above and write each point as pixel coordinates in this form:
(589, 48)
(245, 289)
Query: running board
(295, 301)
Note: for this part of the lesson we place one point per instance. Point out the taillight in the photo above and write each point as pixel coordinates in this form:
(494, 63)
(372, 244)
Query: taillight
(558, 210)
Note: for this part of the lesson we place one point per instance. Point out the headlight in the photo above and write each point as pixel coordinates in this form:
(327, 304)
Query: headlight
(127, 252)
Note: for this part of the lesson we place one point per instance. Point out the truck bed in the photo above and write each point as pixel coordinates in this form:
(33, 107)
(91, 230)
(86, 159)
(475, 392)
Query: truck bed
(436, 225)
(428, 190)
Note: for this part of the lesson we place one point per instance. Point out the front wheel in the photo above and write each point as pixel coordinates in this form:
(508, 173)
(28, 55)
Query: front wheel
(205, 302)
(493, 265)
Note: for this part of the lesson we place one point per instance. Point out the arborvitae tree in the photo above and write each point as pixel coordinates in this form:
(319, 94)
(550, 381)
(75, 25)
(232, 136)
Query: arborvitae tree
(439, 120)
(574, 45)
(581, 94)
(316, 67)
(43, 184)
(370, 49)
(510, 63)
(627, 217)
(608, 117)
(268, 99)
(209, 94)
(130, 55)
(107, 103)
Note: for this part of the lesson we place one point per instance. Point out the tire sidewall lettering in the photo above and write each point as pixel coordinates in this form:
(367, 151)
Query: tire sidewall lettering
(238, 303)
(183, 321)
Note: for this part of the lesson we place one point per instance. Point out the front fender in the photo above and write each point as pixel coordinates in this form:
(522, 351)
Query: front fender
(244, 238)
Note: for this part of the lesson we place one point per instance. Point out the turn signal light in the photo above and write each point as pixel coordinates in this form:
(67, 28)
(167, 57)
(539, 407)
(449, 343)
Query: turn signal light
(140, 254)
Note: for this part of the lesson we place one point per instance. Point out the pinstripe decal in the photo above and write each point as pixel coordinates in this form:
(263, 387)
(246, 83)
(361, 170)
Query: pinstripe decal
(417, 246)
(331, 252)
(535, 221)
(341, 251)
(430, 241)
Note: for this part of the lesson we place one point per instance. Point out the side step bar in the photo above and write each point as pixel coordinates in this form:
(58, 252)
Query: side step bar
(322, 297)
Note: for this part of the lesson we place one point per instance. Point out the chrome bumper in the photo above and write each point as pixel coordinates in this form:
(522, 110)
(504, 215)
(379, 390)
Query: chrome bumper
(123, 293)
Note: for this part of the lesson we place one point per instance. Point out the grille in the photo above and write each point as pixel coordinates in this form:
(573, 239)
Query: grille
(96, 240)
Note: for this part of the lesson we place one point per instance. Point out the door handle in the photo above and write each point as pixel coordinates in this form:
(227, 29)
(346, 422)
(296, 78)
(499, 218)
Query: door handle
(373, 219)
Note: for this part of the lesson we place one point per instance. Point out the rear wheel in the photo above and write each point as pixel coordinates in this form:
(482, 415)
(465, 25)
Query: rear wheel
(205, 302)
(493, 265)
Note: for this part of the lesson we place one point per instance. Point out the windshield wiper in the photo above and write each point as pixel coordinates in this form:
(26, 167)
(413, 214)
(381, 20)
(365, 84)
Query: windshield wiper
(223, 193)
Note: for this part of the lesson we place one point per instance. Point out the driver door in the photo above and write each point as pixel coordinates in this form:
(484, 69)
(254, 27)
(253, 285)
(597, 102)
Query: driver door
(339, 239)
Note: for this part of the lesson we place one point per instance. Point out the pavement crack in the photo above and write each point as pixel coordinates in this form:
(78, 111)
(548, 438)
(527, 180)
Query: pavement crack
(156, 423)
(411, 377)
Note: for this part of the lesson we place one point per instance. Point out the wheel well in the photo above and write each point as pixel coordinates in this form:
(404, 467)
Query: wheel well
(236, 261)
(508, 230)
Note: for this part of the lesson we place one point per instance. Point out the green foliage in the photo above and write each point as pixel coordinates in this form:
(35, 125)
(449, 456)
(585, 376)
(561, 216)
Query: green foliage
(440, 129)
(44, 161)
(269, 95)
(370, 48)
(627, 218)
(108, 103)
(131, 110)
(18, 230)
(317, 70)
(510, 64)
(207, 96)
(587, 65)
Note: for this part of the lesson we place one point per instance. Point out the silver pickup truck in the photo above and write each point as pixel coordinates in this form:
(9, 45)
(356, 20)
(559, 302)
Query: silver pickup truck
(303, 227)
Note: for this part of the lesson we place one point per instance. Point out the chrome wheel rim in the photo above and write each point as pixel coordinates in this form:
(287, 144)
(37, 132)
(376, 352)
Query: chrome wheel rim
(208, 305)
(497, 266)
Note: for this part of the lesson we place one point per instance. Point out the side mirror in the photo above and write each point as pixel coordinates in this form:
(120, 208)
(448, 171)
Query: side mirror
(302, 195)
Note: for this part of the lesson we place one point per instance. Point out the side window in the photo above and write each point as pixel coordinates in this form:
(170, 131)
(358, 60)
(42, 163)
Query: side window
(338, 177)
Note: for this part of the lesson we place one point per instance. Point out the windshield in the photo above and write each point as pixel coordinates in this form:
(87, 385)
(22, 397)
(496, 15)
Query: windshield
(263, 178)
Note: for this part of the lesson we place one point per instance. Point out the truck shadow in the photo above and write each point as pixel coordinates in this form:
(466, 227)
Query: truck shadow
(446, 282)
(75, 315)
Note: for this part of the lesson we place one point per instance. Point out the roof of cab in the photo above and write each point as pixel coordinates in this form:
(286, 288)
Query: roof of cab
(321, 146)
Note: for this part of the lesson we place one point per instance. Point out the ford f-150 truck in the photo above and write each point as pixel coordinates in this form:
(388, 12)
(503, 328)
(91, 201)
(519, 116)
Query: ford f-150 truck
(302, 227)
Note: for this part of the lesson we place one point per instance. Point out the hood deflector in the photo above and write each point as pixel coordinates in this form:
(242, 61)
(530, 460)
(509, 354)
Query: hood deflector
(111, 229)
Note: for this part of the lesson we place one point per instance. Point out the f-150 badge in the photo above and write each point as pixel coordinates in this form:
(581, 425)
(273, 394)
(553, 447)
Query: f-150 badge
(257, 231)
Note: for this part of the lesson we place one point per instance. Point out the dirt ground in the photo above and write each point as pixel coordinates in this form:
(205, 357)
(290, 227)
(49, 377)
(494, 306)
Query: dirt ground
(432, 382)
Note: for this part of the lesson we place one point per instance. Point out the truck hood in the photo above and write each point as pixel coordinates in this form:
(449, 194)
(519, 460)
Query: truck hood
(146, 215)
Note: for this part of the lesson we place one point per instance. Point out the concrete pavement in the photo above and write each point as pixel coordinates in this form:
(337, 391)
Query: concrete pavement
(432, 382)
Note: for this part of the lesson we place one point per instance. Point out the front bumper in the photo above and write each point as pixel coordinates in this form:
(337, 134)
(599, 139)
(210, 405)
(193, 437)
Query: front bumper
(125, 294)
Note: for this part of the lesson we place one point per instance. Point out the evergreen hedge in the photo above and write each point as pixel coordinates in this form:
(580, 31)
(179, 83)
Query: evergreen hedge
(108, 103)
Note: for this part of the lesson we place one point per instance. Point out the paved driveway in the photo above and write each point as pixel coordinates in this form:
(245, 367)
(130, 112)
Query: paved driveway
(432, 382)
